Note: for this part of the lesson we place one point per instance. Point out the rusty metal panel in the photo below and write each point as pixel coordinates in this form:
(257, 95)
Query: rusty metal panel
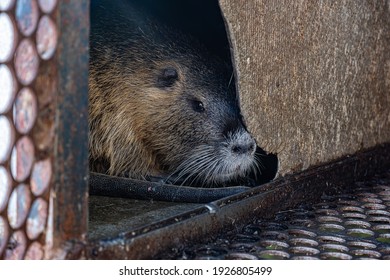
(313, 76)
(43, 93)
(70, 209)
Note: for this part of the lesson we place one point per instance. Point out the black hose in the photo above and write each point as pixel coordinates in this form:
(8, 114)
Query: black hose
(105, 185)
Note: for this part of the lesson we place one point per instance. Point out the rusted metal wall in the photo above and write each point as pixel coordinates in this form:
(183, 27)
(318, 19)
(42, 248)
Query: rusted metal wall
(313, 76)
(70, 196)
(43, 127)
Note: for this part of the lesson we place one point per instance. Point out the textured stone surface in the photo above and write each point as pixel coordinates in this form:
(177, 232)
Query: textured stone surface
(313, 76)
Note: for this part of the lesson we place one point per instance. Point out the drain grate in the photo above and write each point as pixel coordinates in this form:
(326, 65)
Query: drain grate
(346, 226)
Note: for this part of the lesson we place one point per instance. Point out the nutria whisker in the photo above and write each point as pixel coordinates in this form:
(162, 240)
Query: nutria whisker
(231, 79)
(194, 163)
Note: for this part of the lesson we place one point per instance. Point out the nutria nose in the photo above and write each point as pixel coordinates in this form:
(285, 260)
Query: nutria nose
(244, 148)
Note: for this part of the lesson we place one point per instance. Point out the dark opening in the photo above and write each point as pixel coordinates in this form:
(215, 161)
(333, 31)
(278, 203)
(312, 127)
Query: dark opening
(203, 19)
(200, 18)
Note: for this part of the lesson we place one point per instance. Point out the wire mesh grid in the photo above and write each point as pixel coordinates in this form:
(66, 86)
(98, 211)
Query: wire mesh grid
(28, 83)
(353, 225)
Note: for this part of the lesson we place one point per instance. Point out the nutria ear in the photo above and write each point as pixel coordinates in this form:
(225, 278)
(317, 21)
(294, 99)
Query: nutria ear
(167, 77)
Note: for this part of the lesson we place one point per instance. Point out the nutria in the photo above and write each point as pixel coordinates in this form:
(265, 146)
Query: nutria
(160, 104)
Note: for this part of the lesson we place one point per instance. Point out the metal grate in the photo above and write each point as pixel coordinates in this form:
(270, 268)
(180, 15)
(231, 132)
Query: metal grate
(354, 225)
(28, 86)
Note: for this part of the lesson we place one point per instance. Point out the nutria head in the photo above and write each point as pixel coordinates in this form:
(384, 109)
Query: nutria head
(193, 125)
(161, 105)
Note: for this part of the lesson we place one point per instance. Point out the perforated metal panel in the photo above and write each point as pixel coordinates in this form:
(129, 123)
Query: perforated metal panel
(28, 84)
(354, 225)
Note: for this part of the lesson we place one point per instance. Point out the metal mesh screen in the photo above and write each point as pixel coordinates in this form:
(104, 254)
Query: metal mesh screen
(353, 225)
(28, 83)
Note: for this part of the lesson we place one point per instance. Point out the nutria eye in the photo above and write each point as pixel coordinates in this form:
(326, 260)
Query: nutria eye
(197, 106)
(167, 77)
